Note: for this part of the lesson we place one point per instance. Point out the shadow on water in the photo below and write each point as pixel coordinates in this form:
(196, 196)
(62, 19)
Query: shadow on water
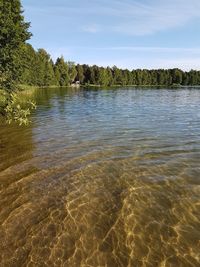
(16, 144)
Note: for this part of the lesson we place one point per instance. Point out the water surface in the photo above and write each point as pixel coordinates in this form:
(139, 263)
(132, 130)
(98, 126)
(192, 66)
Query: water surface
(103, 178)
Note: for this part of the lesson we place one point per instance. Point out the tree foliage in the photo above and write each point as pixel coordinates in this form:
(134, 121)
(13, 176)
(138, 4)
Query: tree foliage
(13, 34)
(21, 63)
(40, 70)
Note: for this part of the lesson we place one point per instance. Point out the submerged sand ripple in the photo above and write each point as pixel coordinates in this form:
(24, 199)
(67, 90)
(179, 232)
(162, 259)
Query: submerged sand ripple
(112, 213)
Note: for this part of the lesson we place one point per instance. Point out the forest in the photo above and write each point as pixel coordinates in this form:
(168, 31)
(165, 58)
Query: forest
(39, 69)
(22, 64)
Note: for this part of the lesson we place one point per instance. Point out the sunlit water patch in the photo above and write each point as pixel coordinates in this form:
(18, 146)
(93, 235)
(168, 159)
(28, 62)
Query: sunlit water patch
(103, 178)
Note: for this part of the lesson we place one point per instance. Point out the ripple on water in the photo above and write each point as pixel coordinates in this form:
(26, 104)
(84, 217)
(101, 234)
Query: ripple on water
(103, 178)
(112, 213)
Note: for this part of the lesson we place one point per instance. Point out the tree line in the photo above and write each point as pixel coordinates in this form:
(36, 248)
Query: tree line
(39, 69)
(20, 63)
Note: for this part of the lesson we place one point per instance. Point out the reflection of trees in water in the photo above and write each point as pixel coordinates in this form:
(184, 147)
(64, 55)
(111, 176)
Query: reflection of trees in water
(108, 191)
(44, 95)
(59, 98)
(53, 97)
(16, 143)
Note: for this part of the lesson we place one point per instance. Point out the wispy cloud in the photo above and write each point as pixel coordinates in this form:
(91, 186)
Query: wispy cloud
(154, 16)
(126, 33)
(133, 17)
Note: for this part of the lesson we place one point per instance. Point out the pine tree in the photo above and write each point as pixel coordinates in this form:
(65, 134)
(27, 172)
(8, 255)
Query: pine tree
(62, 72)
(72, 71)
(80, 74)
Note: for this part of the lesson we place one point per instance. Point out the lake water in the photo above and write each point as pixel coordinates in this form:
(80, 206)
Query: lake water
(103, 178)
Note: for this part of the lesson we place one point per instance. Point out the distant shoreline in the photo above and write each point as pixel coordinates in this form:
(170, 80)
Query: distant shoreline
(31, 87)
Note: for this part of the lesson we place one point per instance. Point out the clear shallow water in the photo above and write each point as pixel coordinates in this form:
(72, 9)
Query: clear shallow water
(103, 178)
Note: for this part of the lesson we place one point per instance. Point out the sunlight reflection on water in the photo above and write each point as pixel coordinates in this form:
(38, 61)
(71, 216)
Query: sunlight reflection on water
(103, 178)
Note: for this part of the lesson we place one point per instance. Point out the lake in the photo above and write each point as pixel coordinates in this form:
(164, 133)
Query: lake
(103, 178)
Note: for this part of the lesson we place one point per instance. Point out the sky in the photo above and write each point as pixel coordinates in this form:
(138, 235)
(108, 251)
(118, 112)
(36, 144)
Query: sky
(130, 34)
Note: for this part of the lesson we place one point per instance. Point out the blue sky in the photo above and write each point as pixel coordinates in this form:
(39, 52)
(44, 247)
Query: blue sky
(130, 33)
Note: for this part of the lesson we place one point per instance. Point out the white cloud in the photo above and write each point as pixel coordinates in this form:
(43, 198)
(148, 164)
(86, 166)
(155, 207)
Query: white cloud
(109, 22)
(132, 17)
(128, 16)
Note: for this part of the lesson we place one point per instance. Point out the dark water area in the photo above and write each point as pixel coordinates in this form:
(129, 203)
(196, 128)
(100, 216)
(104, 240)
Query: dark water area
(103, 178)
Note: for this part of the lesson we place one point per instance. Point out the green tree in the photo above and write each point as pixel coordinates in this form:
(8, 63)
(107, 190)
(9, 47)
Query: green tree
(13, 34)
(193, 77)
(44, 66)
(103, 77)
(72, 71)
(117, 76)
(177, 76)
(80, 73)
(109, 76)
(87, 74)
(161, 77)
(61, 72)
(125, 77)
(94, 77)
(29, 65)
(138, 77)
(134, 77)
